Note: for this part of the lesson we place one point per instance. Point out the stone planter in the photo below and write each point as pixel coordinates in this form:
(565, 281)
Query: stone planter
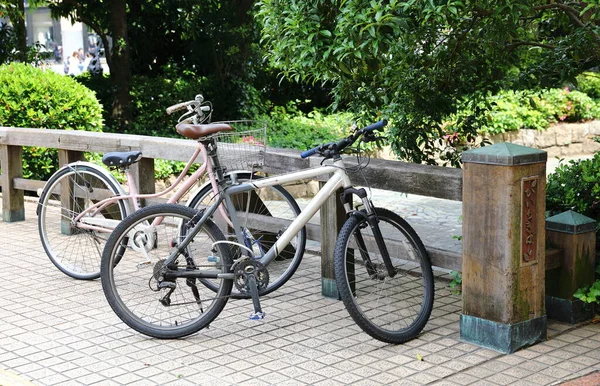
(559, 140)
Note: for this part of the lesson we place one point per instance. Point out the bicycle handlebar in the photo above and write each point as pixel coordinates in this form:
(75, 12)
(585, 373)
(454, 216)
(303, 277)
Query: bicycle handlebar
(376, 126)
(336, 147)
(197, 104)
(310, 152)
(178, 106)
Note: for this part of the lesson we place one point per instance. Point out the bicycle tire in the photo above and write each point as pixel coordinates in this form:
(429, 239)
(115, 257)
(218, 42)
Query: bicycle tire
(392, 310)
(128, 285)
(75, 251)
(266, 201)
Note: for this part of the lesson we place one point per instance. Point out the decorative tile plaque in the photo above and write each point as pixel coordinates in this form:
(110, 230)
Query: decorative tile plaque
(529, 186)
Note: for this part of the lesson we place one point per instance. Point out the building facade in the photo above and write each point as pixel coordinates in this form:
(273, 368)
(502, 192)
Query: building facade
(61, 37)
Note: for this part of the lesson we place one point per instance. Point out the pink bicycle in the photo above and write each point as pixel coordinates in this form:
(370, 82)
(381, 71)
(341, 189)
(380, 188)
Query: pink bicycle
(82, 203)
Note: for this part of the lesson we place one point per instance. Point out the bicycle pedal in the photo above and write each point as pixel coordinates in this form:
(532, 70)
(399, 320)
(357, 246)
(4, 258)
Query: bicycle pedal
(257, 316)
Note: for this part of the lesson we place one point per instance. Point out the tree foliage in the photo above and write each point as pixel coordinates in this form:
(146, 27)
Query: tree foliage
(208, 38)
(415, 60)
(13, 39)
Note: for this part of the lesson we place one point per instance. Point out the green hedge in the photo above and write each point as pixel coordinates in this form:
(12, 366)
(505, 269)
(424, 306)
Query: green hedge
(288, 127)
(589, 83)
(575, 185)
(32, 97)
(515, 110)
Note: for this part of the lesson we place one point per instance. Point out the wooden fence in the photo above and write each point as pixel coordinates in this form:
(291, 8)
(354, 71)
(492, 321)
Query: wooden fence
(396, 176)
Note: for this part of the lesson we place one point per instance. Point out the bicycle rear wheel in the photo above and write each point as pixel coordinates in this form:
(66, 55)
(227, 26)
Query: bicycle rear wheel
(390, 309)
(75, 250)
(139, 289)
(264, 214)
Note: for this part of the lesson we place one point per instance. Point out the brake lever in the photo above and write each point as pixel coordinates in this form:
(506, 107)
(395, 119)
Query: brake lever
(371, 137)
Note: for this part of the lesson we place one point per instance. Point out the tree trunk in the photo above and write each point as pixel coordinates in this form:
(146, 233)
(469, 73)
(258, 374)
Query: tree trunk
(120, 71)
(20, 31)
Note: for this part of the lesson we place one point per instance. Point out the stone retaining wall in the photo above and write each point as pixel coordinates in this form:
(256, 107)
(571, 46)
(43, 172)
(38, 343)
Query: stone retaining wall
(560, 140)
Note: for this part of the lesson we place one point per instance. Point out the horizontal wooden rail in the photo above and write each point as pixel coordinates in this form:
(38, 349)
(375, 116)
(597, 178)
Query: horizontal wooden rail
(425, 180)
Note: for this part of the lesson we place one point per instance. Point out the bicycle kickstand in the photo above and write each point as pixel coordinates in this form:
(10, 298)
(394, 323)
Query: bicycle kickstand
(258, 313)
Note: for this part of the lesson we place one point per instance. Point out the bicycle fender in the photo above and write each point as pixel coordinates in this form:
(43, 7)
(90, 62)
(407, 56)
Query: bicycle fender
(99, 169)
(105, 173)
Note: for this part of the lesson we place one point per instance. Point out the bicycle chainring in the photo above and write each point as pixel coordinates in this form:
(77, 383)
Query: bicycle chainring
(243, 268)
(142, 238)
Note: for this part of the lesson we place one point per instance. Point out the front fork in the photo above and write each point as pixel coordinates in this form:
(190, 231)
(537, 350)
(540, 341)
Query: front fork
(373, 221)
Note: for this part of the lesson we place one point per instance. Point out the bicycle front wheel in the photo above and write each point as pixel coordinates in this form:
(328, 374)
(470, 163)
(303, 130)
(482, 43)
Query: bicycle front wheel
(391, 309)
(137, 284)
(76, 248)
(263, 214)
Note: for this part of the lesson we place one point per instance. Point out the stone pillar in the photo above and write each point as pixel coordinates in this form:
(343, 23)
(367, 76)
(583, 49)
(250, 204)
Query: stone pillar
(504, 187)
(575, 235)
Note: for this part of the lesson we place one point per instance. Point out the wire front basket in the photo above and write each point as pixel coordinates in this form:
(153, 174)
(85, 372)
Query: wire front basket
(244, 147)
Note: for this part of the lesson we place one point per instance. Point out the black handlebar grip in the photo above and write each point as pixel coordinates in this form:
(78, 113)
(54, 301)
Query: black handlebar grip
(376, 126)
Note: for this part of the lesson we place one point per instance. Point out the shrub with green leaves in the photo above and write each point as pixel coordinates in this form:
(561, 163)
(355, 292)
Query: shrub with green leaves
(590, 294)
(288, 127)
(575, 186)
(589, 83)
(36, 98)
(515, 110)
(570, 106)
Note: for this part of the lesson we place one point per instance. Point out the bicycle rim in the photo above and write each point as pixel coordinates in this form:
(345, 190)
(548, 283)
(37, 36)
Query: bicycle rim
(131, 274)
(74, 250)
(390, 309)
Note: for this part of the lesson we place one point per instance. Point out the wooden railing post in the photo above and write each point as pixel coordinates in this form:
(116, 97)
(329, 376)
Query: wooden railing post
(575, 235)
(143, 175)
(68, 156)
(332, 217)
(13, 200)
(503, 247)
(67, 202)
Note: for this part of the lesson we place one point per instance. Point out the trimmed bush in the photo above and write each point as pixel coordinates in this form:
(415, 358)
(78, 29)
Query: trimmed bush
(575, 185)
(32, 97)
(589, 83)
(288, 127)
(515, 110)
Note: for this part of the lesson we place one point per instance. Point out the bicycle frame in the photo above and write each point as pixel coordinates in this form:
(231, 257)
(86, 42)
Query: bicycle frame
(86, 219)
(339, 179)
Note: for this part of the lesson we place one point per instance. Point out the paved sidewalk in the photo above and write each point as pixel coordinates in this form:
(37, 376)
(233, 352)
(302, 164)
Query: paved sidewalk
(58, 331)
